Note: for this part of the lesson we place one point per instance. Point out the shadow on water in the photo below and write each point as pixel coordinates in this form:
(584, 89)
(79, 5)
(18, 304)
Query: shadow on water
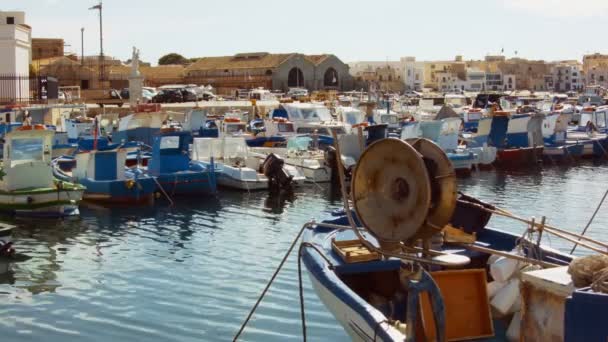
(276, 202)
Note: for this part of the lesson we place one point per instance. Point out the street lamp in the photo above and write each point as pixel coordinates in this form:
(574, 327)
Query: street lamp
(101, 59)
(82, 46)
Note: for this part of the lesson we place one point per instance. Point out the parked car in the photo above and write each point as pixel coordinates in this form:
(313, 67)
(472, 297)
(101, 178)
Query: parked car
(124, 93)
(168, 96)
(197, 90)
(189, 95)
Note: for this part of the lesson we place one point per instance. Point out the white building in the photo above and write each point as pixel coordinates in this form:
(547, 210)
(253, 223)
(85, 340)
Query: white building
(15, 55)
(413, 73)
(567, 77)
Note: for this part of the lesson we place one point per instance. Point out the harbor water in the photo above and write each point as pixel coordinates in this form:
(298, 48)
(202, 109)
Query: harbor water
(192, 272)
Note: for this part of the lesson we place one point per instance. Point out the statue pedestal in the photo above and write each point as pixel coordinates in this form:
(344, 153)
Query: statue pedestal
(136, 84)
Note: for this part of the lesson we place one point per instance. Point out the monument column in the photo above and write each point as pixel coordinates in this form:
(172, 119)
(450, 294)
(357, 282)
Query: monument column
(136, 80)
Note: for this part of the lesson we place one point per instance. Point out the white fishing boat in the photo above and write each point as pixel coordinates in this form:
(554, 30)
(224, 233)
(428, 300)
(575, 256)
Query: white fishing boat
(309, 118)
(27, 186)
(303, 154)
(236, 168)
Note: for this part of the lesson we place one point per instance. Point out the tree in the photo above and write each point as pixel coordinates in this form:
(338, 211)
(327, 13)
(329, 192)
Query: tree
(172, 58)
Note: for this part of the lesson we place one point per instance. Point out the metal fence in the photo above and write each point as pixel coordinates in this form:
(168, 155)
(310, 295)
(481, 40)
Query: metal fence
(23, 90)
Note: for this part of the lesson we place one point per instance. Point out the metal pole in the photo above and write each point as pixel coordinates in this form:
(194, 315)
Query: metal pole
(82, 46)
(101, 59)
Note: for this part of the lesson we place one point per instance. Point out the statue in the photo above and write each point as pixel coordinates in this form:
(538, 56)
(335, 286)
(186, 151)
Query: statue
(135, 62)
(136, 80)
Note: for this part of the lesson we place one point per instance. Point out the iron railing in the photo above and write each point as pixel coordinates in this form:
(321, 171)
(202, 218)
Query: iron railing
(24, 89)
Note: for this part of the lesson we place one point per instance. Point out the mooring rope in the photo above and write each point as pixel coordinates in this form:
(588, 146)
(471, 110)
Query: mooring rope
(590, 220)
(274, 275)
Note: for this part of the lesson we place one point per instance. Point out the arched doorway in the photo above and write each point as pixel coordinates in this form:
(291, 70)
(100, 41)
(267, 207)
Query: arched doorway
(330, 79)
(295, 78)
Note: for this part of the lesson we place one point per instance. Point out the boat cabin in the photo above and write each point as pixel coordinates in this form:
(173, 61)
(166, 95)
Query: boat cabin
(279, 127)
(27, 159)
(597, 116)
(101, 165)
(170, 153)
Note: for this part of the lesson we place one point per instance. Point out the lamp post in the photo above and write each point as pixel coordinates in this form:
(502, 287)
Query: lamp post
(101, 59)
(82, 46)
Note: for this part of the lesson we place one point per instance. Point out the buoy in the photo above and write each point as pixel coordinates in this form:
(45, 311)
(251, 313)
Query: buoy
(494, 287)
(505, 298)
(503, 268)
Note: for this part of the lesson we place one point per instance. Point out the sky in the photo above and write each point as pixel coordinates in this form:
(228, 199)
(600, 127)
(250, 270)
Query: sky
(372, 30)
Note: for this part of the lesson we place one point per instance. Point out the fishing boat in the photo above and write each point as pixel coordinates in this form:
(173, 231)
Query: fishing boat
(308, 159)
(517, 137)
(27, 186)
(303, 158)
(590, 132)
(409, 260)
(104, 175)
(235, 167)
(352, 118)
(555, 131)
(444, 133)
(175, 172)
(270, 132)
(311, 118)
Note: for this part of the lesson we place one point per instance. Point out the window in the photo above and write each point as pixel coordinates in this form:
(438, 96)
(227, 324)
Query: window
(84, 84)
(26, 150)
(169, 142)
(10, 20)
(409, 72)
(417, 77)
(285, 127)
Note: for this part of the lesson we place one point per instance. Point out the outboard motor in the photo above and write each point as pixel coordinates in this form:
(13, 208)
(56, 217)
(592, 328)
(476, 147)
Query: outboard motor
(278, 178)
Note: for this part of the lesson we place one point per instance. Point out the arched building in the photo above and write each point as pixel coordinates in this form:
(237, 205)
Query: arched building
(271, 71)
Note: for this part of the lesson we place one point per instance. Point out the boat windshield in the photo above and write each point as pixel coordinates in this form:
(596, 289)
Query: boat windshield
(389, 119)
(311, 130)
(285, 127)
(600, 119)
(299, 143)
(236, 128)
(312, 114)
(170, 142)
(353, 118)
(26, 150)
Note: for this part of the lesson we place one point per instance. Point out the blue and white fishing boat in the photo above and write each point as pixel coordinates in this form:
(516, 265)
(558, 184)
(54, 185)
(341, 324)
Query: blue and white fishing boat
(309, 118)
(271, 132)
(369, 270)
(27, 186)
(555, 130)
(444, 133)
(104, 175)
(591, 132)
(517, 137)
(175, 171)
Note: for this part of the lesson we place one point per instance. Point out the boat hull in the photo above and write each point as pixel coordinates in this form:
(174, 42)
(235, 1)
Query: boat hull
(129, 191)
(51, 203)
(525, 156)
(187, 183)
(565, 153)
(226, 181)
